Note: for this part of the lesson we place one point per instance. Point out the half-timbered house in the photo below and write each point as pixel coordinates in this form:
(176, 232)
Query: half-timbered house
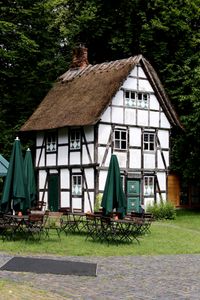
(93, 111)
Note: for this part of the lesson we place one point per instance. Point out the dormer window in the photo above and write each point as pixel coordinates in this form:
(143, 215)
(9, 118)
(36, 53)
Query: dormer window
(135, 99)
(75, 139)
(51, 142)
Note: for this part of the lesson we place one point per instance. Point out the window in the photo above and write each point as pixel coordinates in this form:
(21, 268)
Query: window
(149, 141)
(148, 185)
(76, 185)
(134, 99)
(51, 143)
(75, 139)
(120, 139)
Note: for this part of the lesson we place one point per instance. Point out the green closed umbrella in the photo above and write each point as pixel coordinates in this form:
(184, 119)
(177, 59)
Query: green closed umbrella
(3, 166)
(15, 194)
(113, 196)
(30, 176)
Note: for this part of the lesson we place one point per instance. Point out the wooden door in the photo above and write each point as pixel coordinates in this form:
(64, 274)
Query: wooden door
(133, 195)
(53, 192)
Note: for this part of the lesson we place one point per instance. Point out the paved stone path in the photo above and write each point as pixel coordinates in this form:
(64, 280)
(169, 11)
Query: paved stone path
(164, 277)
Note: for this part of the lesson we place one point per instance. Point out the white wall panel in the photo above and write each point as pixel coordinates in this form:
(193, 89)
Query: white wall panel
(163, 136)
(118, 98)
(135, 137)
(63, 155)
(65, 199)
(44, 197)
(89, 174)
(130, 116)
(85, 157)
(149, 160)
(51, 159)
(142, 118)
(164, 121)
(154, 104)
(75, 158)
(102, 179)
(64, 179)
(144, 86)
(135, 158)
(42, 178)
(130, 84)
(41, 158)
(154, 119)
(134, 72)
(76, 203)
(104, 133)
(117, 115)
(161, 176)
(88, 203)
(141, 72)
(106, 115)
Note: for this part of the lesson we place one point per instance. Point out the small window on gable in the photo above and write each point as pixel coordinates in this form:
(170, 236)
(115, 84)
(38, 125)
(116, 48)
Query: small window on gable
(120, 139)
(149, 141)
(75, 139)
(76, 185)
(134, 99)
(148, 185)
(51, 142)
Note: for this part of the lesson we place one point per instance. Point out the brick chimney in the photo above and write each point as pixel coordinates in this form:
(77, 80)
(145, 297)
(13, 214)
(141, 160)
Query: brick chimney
(80, 57)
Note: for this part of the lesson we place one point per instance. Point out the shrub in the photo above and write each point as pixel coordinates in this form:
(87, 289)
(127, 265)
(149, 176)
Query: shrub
(163, 210)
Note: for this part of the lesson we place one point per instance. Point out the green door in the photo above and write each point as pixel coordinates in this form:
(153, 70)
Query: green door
(133, 195)
(53, 192)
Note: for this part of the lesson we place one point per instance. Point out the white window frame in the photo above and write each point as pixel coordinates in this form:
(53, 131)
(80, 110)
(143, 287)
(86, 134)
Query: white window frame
(51, 142)
(77, 183)
(120, 142)
(148, 186)
(136, 99)
(148, 143)
(75, 141)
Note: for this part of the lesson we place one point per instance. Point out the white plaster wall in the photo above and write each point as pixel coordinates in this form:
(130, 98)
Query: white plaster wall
(42, 178)
(122, 157)
(118, 98)
(130, 84)
(42, 158)
(163, 136)
(44, 198)
(134, 72)
(161, 176)
(64, 179)
(160, 160)
(164, 122)
(142, 118)
(101, 151)
(51, 159)
(154, 119)
(149, 160)
(76, 203)
(102, 179)
(63, 155)
(106, 116)
(130, 116)
(117, 115)
(103, 133)
(135, 136)
(89, 174)
(141, 73)
(144, 86)
(75, 158)
(65, 199)
(135, 158)
(85, 157)
(154, 104)
(87, 202)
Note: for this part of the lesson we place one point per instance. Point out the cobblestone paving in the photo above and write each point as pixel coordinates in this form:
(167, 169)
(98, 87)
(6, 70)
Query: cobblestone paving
(164, 277)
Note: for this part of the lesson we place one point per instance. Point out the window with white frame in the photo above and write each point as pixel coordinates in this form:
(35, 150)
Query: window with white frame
(76, 185)
(120, 139)
(149, 141)
(136, 99)
(148, 185)
(75, 139)
(51, 142)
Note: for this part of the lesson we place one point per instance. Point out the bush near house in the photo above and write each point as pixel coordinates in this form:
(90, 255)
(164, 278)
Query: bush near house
(162, 210)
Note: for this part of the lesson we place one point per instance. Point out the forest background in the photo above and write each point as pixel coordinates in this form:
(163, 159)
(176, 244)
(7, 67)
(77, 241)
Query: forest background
(36, 42)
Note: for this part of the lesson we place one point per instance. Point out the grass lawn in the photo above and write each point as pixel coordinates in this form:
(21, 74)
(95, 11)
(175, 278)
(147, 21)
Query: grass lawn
(179, 236)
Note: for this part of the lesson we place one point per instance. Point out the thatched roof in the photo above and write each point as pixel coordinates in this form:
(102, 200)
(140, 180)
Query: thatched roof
(80, 96)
